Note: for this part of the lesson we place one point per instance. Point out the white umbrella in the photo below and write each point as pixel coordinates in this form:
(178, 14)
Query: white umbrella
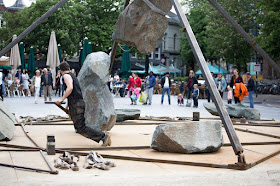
(53, 57)
(15, 57)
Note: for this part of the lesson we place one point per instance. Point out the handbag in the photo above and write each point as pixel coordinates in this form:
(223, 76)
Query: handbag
(143, 97)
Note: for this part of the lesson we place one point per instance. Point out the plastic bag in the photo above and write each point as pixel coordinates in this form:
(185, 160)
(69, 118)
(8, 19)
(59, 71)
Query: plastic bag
(143, 97)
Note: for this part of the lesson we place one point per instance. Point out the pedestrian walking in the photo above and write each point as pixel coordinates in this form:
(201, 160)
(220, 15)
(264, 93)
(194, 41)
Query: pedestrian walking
(221, 84)
(36, 82)
(76, 105)
(195, 95)
(235, 79)
(133, 80)
(25, 82)
(165, 84)
(150, 83)
(46, 81)
(250, 88)
(190, 82)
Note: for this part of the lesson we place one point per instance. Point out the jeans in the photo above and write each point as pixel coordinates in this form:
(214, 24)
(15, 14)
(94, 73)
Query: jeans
(47, 92)
(168, 93)
(251, 99)
(195, 102)
(208, 95)
(150, 92)
(189, 91)
(3, 88)
(77, 111)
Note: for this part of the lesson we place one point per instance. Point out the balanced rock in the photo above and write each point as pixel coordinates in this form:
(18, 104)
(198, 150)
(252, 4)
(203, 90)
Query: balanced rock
(235, 110)
(188, 137)
(93, 78)
(127, 114)
(7, 122)
(142, 24)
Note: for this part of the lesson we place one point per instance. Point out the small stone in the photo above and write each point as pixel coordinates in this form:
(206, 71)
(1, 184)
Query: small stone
(7, 122)
(188, 137)
(235, 110)
(138, 25)
(93, 77)
(127, 114)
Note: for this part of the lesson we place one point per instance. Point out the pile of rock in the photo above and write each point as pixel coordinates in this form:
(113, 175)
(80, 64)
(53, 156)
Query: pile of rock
(67, 161)
(95, 160)
(188, 137)
(235, 110)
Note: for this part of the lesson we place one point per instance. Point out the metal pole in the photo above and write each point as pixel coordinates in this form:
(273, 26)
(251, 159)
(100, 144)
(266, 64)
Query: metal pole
(245, 35)
(32, 27)
(147, 62)
(115, 44)
(237, 147)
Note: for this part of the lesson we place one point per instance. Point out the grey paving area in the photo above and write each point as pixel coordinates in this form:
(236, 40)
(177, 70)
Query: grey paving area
(25, 106)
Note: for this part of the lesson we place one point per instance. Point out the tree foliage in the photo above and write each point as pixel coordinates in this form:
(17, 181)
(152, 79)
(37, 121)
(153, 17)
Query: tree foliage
(216, 37)
(72, 22)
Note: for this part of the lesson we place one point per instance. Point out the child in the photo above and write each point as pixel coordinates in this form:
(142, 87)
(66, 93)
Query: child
(229, 96)
(180, 100)
(134, 94)
(195, 95)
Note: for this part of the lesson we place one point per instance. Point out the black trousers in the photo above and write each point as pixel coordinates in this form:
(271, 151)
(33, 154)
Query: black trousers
(236, 100)
(221, 93)
(1, 92)
(77, 111)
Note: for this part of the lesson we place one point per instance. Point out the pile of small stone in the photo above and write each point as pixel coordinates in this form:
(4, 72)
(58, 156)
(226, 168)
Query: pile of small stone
(95, 160)
(30, 119)
(67, 161)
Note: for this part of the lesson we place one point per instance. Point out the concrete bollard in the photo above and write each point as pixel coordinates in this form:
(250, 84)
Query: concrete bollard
(50, 145)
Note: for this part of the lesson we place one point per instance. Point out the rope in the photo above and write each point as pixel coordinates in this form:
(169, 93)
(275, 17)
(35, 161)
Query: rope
(124, 49)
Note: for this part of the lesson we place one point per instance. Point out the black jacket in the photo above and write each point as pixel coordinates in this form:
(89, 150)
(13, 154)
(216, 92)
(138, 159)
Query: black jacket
(194, 81)
(163, 81)
(251, 85)
(50, 79)
(238, 80)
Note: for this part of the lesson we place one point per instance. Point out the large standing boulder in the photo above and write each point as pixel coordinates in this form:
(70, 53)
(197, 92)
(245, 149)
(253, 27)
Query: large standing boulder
(235, 110)
(138, 25)
(93, 78)
(188, 137)
(127, 114)
(7, 122)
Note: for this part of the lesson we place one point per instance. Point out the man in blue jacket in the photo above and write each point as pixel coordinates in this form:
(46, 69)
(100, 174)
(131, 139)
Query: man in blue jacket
(251, 88)
(221, 84)
(150, 82)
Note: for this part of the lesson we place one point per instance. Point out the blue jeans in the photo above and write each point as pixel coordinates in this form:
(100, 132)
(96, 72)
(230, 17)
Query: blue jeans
(189, 91)
(3, 88)
(168, 93)
(251, 99)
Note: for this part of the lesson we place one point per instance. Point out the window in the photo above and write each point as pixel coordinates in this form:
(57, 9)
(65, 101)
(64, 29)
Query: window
(174, 42)
(157, 53)
(164, 41)
(151, 56)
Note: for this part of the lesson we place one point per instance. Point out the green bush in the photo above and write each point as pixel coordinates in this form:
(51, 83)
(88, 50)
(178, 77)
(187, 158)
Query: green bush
(180, 78)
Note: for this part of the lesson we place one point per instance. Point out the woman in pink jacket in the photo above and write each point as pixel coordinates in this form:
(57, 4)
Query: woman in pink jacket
(135, 92)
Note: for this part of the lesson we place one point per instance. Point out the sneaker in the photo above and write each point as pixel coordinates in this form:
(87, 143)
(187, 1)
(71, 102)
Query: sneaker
(135, 103)
(106, 140)
(131, 103)
(150, 103)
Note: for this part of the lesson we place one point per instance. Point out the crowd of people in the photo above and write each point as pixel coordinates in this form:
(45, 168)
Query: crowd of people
(236, 89)
(40, 84)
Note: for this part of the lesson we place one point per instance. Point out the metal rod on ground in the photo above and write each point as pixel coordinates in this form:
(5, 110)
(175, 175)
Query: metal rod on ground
(53, 171)
(258, 133)
(115, 44)
(106, 148)
(32, 27)
(25, 168)
(244, 34)
(19, 150)
(36, 145)
(19, 146)
(237, 147)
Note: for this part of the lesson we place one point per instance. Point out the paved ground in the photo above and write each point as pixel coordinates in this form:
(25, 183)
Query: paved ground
(26, 106)
(138, 173)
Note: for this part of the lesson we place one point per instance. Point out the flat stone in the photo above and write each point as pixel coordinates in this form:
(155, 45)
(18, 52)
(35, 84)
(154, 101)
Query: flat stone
(188, 137)
(127, 114)
(7, 122)
(138, 25)
(235, 110)
(93, 77)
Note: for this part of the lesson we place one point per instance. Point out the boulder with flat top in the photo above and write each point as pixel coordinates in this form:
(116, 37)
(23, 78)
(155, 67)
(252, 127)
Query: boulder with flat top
(188, 137)
(7, 122)
(127, 114)
(235, 110)
(93, 77)
(142, 24)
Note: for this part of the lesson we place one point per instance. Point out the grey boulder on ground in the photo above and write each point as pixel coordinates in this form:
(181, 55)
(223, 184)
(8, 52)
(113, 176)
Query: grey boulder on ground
(188, 137)
(127, 114)
(138, 25)
(93, 77)
(235, 110)
(7, 122)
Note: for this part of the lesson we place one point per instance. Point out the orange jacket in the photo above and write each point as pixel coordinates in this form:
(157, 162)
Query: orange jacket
(240, 94)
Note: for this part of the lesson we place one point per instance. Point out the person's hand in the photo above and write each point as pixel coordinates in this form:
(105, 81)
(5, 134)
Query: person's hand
(221, 90)
(58, 102)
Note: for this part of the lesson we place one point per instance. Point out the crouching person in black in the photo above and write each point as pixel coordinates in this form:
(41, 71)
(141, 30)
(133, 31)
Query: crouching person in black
(77, 106)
